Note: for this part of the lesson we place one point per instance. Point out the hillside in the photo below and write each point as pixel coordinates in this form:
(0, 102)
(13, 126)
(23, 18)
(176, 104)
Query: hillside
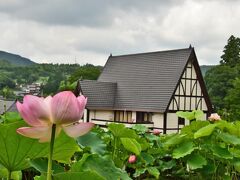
(205, 68)
(15, 59)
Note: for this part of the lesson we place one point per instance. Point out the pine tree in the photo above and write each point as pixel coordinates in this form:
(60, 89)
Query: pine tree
(231, 56)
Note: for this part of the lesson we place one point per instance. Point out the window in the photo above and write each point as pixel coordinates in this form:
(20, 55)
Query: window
(181, 121)
(144, 117)
(123, 116)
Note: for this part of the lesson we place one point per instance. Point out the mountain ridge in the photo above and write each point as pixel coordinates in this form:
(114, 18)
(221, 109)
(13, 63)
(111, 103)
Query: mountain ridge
(15, 59)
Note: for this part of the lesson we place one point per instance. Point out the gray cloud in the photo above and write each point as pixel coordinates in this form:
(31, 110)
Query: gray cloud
(88, 31)
(81, 12)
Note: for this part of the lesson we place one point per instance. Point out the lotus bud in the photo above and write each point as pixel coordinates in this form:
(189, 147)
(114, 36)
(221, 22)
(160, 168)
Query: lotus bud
(214, 117)
(132, 159)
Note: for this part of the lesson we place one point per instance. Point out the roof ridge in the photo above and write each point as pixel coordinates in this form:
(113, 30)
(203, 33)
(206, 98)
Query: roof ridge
(153, 52)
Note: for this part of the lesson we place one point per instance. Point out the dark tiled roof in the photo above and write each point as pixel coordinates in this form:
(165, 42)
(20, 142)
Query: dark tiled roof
(99, 94)
(12, 108)
(9, 104)
(145, 81)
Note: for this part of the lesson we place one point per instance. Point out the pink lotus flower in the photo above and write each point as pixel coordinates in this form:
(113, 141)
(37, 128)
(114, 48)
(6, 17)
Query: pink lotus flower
(64, 109)
(132, 159)
(214, 117)
(156, 132)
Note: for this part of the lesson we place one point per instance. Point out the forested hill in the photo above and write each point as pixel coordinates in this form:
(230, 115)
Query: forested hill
(15, 59)
(205, 68)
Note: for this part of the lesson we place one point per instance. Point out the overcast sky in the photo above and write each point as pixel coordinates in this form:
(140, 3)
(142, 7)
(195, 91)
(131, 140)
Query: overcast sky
(87, 31)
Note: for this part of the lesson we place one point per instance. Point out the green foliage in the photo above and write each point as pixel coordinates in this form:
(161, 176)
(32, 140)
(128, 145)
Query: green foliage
(229, 139)
(53, 83)
(131, 145)
(205, 131)
(183, 150)
(103, 166)
(231, 51)
(7, 93)
(196, 161)
(14, 59)
(6, 81)
(232, 100)
(202, 150)
(193, 115)
(219, 80)
(140, 128)
(120, 131)
(222, 81)
(40, 164)
(87, 71)
(53, 77)
(92, 140)
(17, 149)
(10, 117)
(89, 175)
(154, 171)
(15, 175)
(205, 68)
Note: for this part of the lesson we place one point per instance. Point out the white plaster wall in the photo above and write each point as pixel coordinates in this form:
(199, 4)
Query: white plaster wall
(157, 119)
(204, 105)
(194, 75)
(188, 87)
(85, 115)
(181, 106)
(205, 116)
(199, 91)
(134, 116)
(172, 120)
(91, 114)
(104, 115)
(188, 72)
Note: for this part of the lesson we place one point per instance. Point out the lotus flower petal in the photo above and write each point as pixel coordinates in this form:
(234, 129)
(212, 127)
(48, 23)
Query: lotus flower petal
(42, 133)
(28, 115)
(47, 136)
(34, 110)
(82, 101)
(77, 130)
(35, 132)
(65, 108)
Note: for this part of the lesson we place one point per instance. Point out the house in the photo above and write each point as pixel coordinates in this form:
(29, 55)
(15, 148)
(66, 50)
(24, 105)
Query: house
(147, 88)
(7, 105)
(33, 89)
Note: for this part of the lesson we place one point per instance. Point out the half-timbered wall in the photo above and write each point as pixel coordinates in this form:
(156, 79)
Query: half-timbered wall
(188, 96)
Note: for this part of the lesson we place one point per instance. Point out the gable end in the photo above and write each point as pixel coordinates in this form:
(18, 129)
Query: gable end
(190, 92)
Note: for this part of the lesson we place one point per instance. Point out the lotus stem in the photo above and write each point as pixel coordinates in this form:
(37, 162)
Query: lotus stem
(49, 172)
(9, 175)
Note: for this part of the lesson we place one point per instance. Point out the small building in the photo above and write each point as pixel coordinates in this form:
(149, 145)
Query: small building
(7, 105)
(33, 89)
(147, 88)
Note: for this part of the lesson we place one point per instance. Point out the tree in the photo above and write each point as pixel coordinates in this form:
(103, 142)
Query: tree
(223, 81)
(231, 56)
(232, 101)
(218, 82)
(87, 71)
(5, 80)
(53, 83)
(7, 93)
